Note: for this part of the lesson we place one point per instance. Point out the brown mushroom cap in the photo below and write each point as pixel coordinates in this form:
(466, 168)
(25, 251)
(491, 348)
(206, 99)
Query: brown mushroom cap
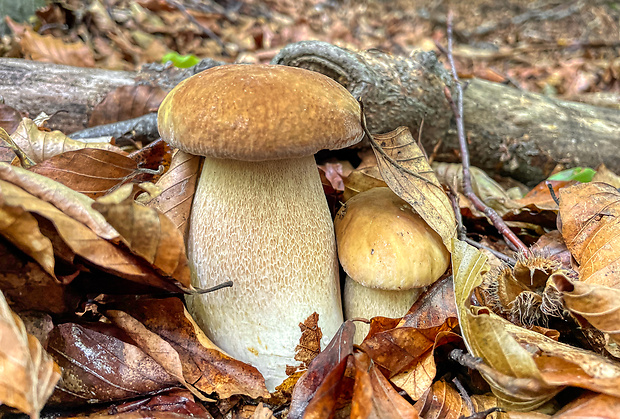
(383, 243)
(259, 112)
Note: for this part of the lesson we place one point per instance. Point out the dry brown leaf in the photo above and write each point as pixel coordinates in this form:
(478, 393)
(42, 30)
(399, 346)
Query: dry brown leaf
(90, 171)
(147, 233)
(126, 102)
(442, 401)
(153, 345)
(41, 145)
(9, 118)
(433, 308)
(590, 214)
(204, 365)
(598, 304)
(309, 344)
(27, 286)
(22, 229)
(326, 369)
(603, 174)
(98, 365)
(362, 179)
(48, 49)
(172, 404)
(406, 170)
(84, 242)
(178, 186)
(28, 373)
(154, 156)
(590, 405)
(536, 365)
(373, 395)
(486, 339)
(72, 203)
(398, 349)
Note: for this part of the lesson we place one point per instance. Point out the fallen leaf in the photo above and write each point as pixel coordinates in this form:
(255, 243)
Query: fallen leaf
(598, 304)
(77, 239)
(603, 174)
(27, 286)
(49, 49)
(374, 396)
(442, 401)
(362, 179)
(590, 217)
(433, 308)
(173, 404)
(406, 170)
(485, 336)
(92, 172)
(154, 156)
(590, 405)
(9, 118)
(532, 367)
(309, 344)
(331, 361)
(41, 145)
(28, 373)
(126, 102)
(147, 233)
(22, 229)
(98, 366)
(203, 364)
(72, 203)
(178, 186)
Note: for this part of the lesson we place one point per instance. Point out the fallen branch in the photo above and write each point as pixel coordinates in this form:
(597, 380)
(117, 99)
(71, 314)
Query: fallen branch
(520, 134)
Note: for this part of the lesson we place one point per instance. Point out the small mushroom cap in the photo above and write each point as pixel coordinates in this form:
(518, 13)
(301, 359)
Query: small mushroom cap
(259, 112)
(383, 243)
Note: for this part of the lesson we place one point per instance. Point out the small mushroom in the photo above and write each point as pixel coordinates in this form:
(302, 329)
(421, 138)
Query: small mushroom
(390, 253)
(259, 215)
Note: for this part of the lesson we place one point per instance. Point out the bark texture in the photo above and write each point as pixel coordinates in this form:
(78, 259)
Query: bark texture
(516, 133)
(70, 93)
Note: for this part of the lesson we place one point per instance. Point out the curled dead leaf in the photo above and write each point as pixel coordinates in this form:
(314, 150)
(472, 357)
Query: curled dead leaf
(147, 233)
(590, 218)
(406, 171)
(41, 145)
(28, 373)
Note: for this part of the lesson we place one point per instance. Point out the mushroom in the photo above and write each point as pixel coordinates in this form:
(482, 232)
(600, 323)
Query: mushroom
(390, 253)
(259, 215)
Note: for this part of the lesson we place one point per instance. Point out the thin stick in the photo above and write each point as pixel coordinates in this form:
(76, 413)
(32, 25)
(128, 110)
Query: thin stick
(457, 108)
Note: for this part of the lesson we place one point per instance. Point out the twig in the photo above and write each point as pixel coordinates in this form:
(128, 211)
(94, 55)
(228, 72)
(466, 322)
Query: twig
(499, 255)
(457, 108)
(142, 128)
(508, 383)
(464, 394)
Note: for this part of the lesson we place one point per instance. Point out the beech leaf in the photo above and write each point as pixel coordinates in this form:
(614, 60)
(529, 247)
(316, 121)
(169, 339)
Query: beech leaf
(41, 145)
(405, 169)
(147, 233)
(28, 373)
(99, 366)
(90, 171)
(598, 304)
(203, 364)
(590, 214)
(178, 186)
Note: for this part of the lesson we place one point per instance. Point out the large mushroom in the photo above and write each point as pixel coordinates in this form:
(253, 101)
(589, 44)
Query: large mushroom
(389, 254)
(259, 215)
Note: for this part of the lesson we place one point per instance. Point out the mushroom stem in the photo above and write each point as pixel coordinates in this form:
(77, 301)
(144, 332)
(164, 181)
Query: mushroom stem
(366, 302)
(266, 227)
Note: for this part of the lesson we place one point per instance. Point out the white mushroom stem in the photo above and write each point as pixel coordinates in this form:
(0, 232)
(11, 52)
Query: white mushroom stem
(265, 226)
(366, 302)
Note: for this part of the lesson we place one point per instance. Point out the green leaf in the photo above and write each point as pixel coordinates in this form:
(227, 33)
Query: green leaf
(180, 61)
(580, 174)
